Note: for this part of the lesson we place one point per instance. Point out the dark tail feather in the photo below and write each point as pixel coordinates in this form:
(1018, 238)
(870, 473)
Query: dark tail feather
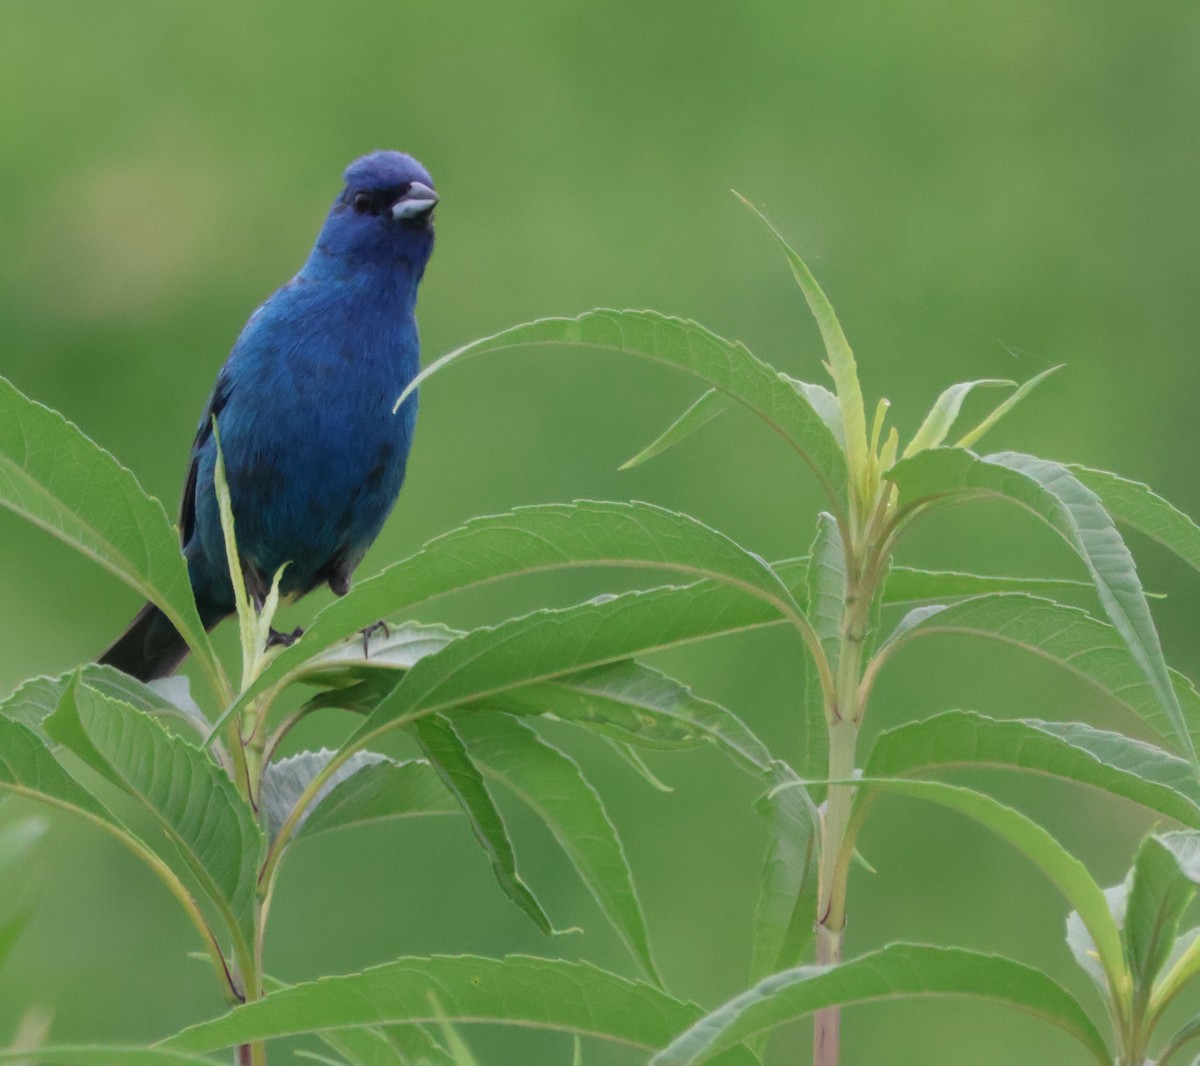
(151, 647)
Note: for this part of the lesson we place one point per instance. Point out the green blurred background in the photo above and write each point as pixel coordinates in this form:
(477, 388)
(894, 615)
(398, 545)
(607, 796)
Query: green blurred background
(984, 189)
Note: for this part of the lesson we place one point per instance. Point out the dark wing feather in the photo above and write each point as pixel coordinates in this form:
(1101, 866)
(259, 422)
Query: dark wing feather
(212, 409)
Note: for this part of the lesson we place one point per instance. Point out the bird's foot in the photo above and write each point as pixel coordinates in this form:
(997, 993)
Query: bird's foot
(285, 640)
(374, 627)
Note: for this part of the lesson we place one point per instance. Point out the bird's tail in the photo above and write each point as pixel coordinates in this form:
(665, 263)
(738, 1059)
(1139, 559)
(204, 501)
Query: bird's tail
(151, 647)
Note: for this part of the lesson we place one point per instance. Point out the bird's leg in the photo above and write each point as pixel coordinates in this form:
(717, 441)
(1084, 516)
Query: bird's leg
(286, 640)
(374, 627)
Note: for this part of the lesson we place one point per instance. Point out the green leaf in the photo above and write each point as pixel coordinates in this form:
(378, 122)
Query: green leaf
(726, 365)
(1083, 947)
(395, 1045)
(1157, 899)
(783, 918)
(898, 971)
(190, 796)
(34, 700)
(1062, 869)
(528, 540)
(53, 475)
(366, 788)
(548, 644)
(94, 1055)
(1073, 751)
(445, 750)
(1068, 636)
(28, 769)
(552, 785)
(841, 365)
(632, 703)
(1072, 510)
(703, 411)
(908, 585)
(573, 997)
(1023, 390)
(1138, 506)
(826, 601)
(944, 414)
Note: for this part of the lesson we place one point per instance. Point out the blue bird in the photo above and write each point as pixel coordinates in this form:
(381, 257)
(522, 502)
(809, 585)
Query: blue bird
(314, 455)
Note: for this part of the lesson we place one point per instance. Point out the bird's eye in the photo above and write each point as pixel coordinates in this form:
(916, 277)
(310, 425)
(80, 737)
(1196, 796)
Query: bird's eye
(362, 203)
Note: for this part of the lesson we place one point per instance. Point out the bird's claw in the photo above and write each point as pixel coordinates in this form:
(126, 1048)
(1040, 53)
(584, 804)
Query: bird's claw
(374, 627)
(276, 639)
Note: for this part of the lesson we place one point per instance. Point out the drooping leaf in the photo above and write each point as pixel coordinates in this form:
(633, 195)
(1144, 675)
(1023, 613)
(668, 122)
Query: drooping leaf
(725, 365)
(944, 413)
(783, 918)
(446, 752)
(1050, 491)
(60, 480)
(1137, 505)
(1069, 636)
(1071, 750)
(841, 365)
(1023, 390)
(632, 703)
(34, 700)
(366, 788)
(908, 585)
(553, 786)
(28, 769)
(898, 971)
(1061, 868)
(548, 644)
(573, 997)
(190, 797)
(531, 539)
(703, 411)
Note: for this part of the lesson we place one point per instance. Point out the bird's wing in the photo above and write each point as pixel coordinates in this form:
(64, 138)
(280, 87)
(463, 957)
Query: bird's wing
(214, 407)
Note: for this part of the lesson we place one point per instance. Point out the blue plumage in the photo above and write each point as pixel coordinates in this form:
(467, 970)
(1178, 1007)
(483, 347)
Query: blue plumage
(314, 455)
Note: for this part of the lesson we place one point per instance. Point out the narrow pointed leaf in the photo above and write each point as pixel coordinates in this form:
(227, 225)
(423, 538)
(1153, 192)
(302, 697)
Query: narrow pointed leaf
(444, 748)
(34, 700)
(1073, 751)
(841, 363)
(573, 997)
(898, 971)
(53, 475)
(1164, 883)
(1089, 648)
(366, 788)
(703, 411)
(908, 585)
(1050, 491)
(783, 918)
(1062, 869)
(825, 605)
(547, 644)
(552, 785)
(528, 540)
(726, 365)
(192, 799)
(1083, 947)
(1023, 390)
(944, 414)
(1137, 505)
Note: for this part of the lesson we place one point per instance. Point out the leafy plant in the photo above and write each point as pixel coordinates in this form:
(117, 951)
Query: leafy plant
(471, 701)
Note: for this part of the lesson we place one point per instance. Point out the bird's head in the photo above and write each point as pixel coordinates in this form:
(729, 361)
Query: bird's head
(382, 219)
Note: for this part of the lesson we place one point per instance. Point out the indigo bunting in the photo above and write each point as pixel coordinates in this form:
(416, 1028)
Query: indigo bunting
(314, 455)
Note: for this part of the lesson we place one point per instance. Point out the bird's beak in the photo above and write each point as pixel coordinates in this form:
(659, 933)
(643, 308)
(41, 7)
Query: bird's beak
(419, 200)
